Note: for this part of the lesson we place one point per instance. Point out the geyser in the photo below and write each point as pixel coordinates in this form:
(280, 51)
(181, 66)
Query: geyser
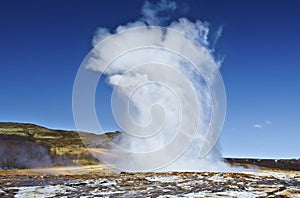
(168, 95)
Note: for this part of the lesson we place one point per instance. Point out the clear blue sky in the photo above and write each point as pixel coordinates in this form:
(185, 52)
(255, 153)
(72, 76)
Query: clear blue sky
(42, 44)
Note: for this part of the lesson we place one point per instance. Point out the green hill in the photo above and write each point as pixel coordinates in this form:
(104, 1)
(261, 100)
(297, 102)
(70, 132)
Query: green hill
(28, 146)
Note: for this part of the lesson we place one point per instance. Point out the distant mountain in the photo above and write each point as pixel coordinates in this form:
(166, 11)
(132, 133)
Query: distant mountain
(28, 146)
(283, 164)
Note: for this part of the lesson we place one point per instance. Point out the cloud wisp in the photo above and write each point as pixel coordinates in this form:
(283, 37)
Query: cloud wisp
(259, 126)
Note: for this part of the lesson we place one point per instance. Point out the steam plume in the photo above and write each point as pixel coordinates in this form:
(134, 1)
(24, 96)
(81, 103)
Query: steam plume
(162, 99)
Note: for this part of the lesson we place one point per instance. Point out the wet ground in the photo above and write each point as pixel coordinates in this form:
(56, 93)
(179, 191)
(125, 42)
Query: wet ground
(99, 181)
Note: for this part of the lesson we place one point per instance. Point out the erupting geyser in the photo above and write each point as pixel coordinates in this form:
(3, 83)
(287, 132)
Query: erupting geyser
(168, 95)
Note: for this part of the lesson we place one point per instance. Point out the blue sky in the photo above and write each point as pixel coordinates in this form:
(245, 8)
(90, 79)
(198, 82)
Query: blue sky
(44, 42)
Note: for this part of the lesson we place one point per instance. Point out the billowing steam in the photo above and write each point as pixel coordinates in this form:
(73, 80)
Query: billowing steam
(167, 95)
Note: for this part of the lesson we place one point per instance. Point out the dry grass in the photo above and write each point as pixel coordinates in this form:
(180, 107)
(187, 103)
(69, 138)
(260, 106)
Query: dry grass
(63, 170)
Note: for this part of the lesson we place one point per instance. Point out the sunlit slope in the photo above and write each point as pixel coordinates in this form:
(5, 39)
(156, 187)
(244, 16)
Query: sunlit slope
(29, 145)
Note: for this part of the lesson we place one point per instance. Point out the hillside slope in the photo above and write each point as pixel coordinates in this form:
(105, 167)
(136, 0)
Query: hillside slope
(31, 146)
(28, 145)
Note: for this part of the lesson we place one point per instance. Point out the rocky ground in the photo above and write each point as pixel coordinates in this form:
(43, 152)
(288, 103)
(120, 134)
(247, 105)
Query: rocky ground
(24, 147)
(99, 181)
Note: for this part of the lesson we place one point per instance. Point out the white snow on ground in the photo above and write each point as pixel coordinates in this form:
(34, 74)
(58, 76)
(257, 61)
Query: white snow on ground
(42, 191)
(222, 194)
(219, 178)
(171, 185)
(163, 178)
(238, 194)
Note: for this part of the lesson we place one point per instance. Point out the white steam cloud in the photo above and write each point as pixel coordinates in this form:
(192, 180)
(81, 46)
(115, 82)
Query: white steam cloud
(161, 98)
(156, 14)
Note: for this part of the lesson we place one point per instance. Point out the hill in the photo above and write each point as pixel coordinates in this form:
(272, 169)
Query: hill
(25, 145)
(283, 164)
(28, 146)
